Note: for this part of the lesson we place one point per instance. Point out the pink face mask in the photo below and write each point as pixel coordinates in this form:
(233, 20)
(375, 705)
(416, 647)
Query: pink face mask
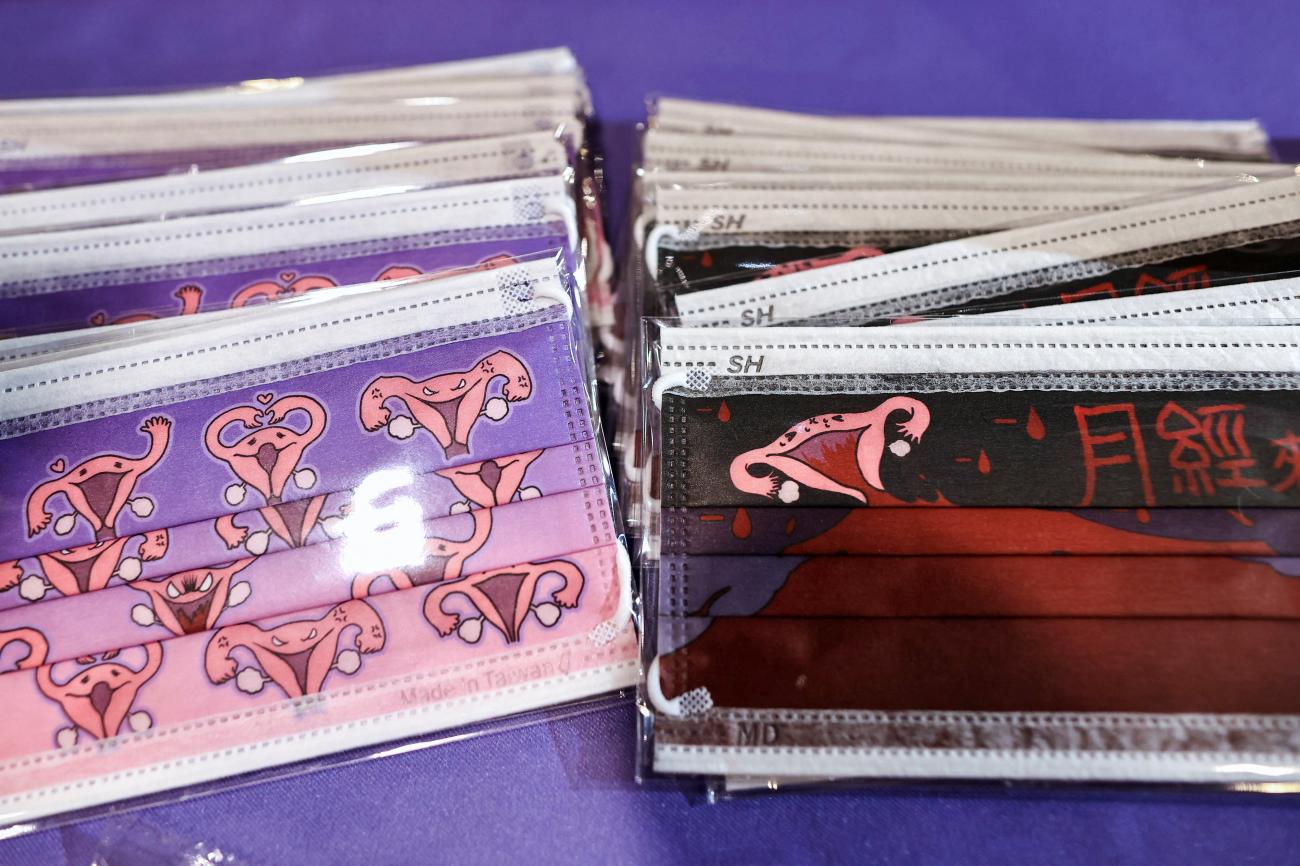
(393, 517)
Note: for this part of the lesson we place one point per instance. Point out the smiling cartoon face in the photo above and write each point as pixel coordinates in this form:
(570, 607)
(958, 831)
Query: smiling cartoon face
(266, 456)
(99, 487)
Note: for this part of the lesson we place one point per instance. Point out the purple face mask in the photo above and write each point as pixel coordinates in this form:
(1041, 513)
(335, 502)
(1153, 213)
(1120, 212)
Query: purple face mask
(362, 525)
(135, 272)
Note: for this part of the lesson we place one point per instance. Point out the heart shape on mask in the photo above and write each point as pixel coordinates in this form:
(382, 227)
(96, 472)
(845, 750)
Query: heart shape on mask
(58, 465)
(287, 276)
(264, 398)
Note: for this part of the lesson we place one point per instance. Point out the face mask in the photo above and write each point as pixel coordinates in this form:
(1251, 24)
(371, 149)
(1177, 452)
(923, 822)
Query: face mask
(1194, 300)
(528, 65)
(1213, 139)
(697, 591)
(299, 92)
(706, 238)
(1051, 263)
(123, 273)
(470, 392)
(509, 625)
(657, 179)
(957, 655)
(692, 152)
(59, 149)
(738, 528)
(185, 547)
(291, 687)
(348, 172)
(363, 561)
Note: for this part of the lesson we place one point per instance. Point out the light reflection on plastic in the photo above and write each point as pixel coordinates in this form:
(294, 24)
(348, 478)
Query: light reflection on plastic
(1258, 769)
(369, 192)
(343, 152)
(379, 537)
(431, 100)
(262, 85)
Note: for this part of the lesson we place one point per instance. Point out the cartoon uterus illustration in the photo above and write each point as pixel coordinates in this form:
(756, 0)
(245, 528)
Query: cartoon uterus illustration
(264, 459)
(504, 598)
(447, 405)
(290, 286)
(838, 453)
(97, 490)
(297, 656)
(443, 559)
(191, 298)
(191, 601)
(36, 648)
(491, 482)
(100, 695)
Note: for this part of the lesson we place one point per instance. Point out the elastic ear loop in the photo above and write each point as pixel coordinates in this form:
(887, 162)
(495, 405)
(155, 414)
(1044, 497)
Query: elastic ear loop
(695, 702)
(609, 629)
(558, 294)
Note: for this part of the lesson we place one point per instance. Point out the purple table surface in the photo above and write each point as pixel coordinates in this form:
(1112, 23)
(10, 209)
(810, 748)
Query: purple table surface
(562, 791)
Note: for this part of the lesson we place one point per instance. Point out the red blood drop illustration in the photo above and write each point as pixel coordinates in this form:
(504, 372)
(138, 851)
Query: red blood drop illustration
(789, 526)
(983, 463)
(740, 525)
(706, 260)
(724, 412)
(1035, 427)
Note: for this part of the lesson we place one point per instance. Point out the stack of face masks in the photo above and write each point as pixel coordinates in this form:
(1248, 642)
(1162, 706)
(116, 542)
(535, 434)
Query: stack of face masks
(299, 424)
(965, 449)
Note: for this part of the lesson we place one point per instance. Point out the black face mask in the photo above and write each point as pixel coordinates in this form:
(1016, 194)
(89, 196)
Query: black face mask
(859, 561)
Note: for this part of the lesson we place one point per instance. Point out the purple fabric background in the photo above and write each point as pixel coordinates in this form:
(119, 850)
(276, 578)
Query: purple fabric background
(562, 791)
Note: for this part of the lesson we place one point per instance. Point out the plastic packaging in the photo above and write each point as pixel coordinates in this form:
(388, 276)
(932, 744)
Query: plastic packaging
(702, 250)
(830, 590)
(1028, 265)
(1213, 139)
(358, 171)
(699, 152)
(103, 275)
(836, 594)
(357, 492)
(319, 497)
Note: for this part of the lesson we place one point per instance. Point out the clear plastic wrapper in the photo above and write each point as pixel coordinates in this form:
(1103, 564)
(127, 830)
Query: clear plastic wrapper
(834, 593)
(829, 590)
(214, 574)
(1210, 139)
(706, 238)
(1247, 230)
(707, 248)
(441, 589)
(53, 150)
(418, 89)
(365, 170)
(111, 274)
(524, 69)
(59, 142)
(681, 151)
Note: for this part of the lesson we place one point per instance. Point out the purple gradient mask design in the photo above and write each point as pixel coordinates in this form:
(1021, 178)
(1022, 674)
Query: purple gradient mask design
(161, 552)
(242, 442)
(403, 552)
